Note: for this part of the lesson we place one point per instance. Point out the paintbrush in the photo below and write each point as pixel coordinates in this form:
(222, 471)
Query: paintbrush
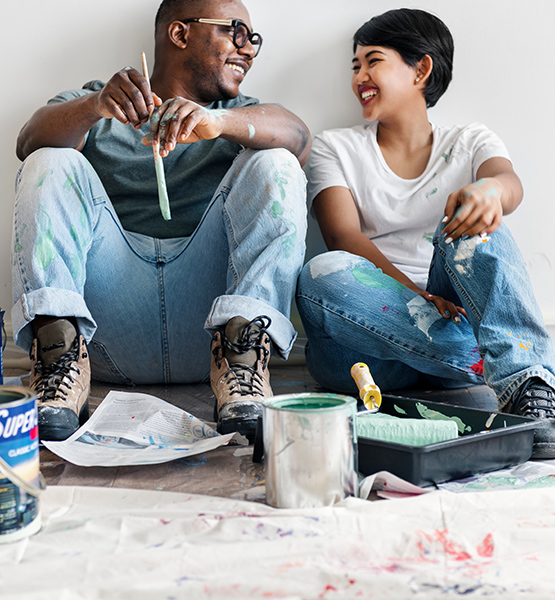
(158, 164)
(369, 392)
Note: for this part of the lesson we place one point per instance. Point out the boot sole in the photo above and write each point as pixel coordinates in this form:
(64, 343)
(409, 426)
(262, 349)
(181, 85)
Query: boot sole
(238, 417)
(246, 427)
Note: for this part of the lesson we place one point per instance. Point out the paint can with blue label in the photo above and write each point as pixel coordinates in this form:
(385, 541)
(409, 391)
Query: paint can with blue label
(20, 478)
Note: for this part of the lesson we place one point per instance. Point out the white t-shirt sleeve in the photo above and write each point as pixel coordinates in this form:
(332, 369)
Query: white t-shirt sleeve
(325, 168)
(486, 145)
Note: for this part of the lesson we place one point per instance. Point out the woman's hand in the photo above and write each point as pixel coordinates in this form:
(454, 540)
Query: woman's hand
(475, 209)
(446, 308)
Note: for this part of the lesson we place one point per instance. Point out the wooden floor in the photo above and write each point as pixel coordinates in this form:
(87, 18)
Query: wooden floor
(228, 471)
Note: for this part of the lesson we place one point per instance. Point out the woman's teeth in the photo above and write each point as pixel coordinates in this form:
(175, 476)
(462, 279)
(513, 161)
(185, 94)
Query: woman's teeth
(368, 94)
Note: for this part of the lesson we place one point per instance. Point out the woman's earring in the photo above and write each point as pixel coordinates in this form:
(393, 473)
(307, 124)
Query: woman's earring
(417, 79)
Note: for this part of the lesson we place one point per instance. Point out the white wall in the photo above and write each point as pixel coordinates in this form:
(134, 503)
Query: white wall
(504, 70)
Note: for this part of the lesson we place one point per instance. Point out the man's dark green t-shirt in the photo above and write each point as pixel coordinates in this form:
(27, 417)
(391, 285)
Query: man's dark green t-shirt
(126, 168)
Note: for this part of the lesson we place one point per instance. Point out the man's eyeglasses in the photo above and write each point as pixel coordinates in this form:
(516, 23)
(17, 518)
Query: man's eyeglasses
(241, 33)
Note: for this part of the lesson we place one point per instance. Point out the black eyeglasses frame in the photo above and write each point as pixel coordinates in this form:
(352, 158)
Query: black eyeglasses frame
(235, 23)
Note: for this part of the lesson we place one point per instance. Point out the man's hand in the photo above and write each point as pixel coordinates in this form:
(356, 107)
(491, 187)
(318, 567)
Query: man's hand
(181, 121)
(474, 209)
(127, 97)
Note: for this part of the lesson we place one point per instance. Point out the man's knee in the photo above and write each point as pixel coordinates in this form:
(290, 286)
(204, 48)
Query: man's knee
(276, 167)
(53, 158)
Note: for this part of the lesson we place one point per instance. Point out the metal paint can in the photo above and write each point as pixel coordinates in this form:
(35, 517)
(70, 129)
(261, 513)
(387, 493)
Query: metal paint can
(20, 478)
(2, 343)
(310, 449)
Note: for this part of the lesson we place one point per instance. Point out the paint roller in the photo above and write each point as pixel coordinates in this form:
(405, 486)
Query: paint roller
(388, 428)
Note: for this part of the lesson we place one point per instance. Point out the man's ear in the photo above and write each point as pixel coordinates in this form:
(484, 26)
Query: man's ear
(178, 33)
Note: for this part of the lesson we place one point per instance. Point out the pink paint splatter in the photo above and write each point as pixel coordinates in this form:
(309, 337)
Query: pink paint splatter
(485, 548)
(328, 588)
(450, 547)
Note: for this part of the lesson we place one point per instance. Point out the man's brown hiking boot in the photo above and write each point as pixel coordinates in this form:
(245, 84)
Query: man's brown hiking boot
(60, 377)
(239, 374)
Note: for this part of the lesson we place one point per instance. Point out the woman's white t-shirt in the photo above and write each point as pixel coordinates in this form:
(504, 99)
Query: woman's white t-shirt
(400, 215)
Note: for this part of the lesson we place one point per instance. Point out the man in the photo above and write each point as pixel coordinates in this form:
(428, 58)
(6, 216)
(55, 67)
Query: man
(98, 270)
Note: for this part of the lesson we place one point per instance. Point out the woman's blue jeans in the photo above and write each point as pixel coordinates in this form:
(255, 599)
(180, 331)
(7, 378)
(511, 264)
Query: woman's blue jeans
(143, 304)
(352, 312)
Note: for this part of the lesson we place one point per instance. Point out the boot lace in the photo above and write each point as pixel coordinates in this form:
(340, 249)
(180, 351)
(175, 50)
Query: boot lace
(56, 380)
(242, 379)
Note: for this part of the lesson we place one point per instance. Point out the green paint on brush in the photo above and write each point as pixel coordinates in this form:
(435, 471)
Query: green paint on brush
(162, 190)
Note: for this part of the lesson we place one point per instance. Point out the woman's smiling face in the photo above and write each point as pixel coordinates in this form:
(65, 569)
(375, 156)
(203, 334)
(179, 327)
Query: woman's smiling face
(383, 82)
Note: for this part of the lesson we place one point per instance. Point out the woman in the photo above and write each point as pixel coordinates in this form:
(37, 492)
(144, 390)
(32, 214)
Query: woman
(423, 280)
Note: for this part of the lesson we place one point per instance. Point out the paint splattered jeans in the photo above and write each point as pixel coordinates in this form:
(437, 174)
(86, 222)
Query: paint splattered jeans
(353, 312)
(144, 304)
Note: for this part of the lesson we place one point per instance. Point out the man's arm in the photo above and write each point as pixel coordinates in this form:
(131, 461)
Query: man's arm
(126, 97)
(262, 126)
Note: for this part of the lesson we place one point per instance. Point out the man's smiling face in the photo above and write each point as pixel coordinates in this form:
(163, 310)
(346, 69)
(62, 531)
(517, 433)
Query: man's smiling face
(219, 66)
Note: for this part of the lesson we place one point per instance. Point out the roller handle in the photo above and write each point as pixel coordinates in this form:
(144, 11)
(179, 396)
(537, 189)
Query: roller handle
(369, 392)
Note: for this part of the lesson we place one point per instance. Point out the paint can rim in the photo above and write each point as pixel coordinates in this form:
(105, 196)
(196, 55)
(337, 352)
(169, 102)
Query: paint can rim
(19, 394)
(321, 402)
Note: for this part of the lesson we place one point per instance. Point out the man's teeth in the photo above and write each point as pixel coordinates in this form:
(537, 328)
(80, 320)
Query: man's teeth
(368, 94)
(237, 68)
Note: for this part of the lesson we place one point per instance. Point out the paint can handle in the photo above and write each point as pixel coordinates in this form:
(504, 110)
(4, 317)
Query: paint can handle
(33, 490)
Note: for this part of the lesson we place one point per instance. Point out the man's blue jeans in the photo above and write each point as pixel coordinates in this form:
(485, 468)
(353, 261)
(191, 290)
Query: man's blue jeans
(352, 312)
(141, 303)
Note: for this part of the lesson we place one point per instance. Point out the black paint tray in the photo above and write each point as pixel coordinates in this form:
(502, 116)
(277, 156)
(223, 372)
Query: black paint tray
(491, 441)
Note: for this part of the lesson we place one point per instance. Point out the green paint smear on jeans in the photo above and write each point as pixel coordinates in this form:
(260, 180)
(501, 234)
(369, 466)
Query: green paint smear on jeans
(277, 209)
(73, 182)
(45, 253)
(374, 278)
(43, 177)
(282, 181)
(17, 247)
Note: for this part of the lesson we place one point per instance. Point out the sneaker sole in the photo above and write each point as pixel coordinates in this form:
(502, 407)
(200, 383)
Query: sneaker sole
(57, 424)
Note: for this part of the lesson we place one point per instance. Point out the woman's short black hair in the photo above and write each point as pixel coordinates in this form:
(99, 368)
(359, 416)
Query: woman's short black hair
(413, 33)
